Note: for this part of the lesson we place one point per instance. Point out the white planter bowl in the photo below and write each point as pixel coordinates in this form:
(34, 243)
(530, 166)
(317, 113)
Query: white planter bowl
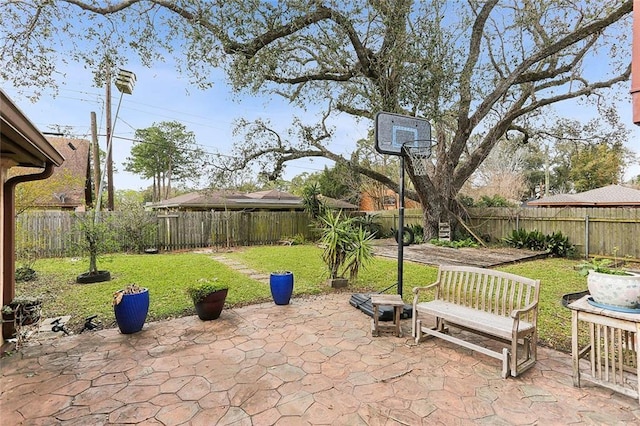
(616, 290)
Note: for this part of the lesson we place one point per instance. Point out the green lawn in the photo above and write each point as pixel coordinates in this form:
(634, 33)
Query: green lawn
(166, 275)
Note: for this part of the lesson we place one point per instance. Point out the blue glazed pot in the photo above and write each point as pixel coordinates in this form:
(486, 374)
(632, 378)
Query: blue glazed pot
(131, 312)
(281, 287)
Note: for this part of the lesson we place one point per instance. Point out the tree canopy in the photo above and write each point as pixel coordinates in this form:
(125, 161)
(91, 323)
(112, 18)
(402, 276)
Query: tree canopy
(166, 152)
(479, 70)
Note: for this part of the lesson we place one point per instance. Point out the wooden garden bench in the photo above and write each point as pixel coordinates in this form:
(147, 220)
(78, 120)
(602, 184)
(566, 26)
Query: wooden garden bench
(491, 303)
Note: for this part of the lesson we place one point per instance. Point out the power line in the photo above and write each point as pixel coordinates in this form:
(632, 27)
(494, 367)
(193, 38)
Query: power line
(213, 154)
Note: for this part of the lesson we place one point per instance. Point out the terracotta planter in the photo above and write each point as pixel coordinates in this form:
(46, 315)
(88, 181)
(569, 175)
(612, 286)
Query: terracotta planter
(210, 307)
(615, 290)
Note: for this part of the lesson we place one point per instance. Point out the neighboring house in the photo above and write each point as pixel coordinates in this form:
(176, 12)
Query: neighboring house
(607, 196)
(21, 145)
(69, 188)
(272, 200)
(388, 200)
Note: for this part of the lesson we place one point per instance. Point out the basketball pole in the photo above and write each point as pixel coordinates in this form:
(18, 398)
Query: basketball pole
(401, 226)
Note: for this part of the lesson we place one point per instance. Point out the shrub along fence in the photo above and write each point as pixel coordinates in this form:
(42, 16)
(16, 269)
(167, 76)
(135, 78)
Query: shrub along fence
(595, 231)
(51, 233)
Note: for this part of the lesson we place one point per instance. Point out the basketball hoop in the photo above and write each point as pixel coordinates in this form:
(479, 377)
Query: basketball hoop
(419, 158)
(409, 138)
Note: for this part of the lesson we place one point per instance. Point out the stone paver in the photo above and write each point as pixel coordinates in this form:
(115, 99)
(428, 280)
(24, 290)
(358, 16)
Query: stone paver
(311, 362)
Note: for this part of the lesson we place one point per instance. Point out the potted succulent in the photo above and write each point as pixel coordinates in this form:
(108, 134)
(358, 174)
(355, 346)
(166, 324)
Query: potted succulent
(347, 247)
(610, 285)
(130, 306)
(208, 297)
(281, 284)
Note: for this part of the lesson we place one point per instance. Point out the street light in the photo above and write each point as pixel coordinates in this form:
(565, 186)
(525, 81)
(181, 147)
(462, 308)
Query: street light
(125, 80)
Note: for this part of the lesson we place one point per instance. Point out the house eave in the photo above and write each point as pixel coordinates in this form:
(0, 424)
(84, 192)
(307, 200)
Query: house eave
(21, 140)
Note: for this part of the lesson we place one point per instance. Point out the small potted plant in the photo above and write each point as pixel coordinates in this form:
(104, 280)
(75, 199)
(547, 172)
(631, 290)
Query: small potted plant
(208, 297)
(611, 285)
(130, 306)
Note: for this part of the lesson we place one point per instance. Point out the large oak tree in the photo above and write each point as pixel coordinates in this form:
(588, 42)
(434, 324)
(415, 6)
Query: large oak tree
(478, 70)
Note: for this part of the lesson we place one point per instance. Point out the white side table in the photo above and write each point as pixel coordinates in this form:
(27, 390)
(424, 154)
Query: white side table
(612, 349)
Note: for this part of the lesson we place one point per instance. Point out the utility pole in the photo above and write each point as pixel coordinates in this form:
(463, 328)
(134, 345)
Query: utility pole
(109, 140)
(96, 157)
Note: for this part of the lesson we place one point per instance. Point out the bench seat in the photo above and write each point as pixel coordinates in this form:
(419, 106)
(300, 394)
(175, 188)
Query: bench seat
(469, 318)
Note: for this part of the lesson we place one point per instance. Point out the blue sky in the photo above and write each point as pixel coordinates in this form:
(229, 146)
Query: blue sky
(161, 94)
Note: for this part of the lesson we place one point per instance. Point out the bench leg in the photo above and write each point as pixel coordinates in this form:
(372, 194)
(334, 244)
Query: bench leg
(514, 355)
(505, 363)
(418, 330)
(528, 354)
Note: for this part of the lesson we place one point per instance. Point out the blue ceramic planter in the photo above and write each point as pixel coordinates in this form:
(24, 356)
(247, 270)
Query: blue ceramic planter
(281, 287)
(131, 312)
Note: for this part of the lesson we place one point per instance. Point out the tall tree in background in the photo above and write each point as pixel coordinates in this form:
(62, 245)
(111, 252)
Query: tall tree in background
(595, 166)
(567, 155)
(166, 152)
(474, 68)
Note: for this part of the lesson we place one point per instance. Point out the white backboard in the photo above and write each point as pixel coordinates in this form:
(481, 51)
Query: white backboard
(393, 131)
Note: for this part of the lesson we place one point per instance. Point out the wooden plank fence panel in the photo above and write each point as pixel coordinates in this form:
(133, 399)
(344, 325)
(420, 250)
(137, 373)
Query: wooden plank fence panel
(52, 231)
(610, 231)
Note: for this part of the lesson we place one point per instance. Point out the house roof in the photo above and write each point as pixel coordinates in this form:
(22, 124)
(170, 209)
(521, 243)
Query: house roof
(272, 194)
(69, 180)
(271, 199)
(209, 200)
(607, 196)
(337, 204)
(21, 141)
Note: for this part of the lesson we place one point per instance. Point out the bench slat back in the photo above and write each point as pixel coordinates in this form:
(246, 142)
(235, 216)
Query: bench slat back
(486, 289)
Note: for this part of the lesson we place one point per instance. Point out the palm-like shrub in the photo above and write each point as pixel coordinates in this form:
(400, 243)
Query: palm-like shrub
(347, 247)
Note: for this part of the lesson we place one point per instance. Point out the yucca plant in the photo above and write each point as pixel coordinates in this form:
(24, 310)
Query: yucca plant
(347, 247)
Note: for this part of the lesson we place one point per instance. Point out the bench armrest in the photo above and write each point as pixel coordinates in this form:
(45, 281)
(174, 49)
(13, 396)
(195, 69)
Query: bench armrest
(516, 313)
(417, 290)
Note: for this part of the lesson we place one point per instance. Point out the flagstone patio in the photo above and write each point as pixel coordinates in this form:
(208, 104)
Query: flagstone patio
(311, 362)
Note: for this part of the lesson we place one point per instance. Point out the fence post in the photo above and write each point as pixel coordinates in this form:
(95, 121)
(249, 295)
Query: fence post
(586, 237)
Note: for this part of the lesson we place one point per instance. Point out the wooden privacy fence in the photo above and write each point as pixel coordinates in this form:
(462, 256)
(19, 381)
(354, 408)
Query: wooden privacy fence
(184, 230)
(51, 233)
(595, 231)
